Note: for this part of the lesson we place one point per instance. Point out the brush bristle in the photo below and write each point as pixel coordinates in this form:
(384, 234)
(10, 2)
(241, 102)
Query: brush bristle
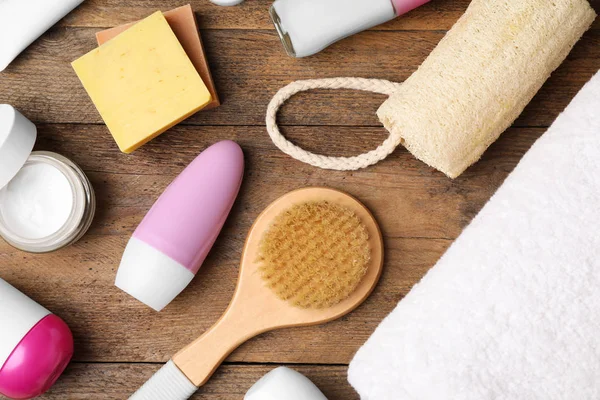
(314, 254)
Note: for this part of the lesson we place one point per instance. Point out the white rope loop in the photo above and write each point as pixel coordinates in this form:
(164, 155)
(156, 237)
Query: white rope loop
(318, 160)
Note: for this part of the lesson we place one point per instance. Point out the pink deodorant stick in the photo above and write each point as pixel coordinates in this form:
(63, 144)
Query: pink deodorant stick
(35, 345)
(308, 26)
(172, 241)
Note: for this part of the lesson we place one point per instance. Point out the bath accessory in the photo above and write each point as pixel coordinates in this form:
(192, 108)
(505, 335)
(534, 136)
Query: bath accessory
(471, 88)
(172, 241)
(256, 309)
(22, 22)
(35, 345)
(284, 383)
(306, 27)
(46, 201)
(142, 82)
(511, 310)
(183, 23)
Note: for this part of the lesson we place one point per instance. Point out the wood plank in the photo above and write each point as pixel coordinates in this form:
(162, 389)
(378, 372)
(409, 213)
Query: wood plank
(436, 15)
(249, 67)
(230, 382)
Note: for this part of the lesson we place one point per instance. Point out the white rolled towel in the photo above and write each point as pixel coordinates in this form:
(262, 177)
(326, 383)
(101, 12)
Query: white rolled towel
(512, 310)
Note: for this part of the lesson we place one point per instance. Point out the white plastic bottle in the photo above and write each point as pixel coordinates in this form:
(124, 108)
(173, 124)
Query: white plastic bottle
(35, 345)
(308, 26)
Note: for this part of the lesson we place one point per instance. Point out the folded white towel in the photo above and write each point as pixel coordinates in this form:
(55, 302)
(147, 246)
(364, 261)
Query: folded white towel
(512, 310)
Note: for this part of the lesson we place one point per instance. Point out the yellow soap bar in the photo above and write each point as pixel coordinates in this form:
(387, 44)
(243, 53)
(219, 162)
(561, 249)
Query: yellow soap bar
(142, 82)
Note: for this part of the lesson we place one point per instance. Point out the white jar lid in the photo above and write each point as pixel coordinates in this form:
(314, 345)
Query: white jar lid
(17, 137)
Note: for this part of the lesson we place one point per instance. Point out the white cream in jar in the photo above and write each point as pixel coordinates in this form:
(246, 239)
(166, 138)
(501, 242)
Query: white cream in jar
(46, 201)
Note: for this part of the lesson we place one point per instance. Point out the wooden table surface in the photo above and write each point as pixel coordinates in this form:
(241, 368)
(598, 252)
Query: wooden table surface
(119, 341)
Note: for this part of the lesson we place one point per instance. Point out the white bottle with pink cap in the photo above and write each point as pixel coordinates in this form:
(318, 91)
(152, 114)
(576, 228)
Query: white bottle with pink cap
(172, 241)
(308, 26)
(35, 345)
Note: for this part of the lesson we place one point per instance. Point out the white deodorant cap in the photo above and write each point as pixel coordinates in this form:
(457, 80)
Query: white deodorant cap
(284, 383)
(17, 137)
(312, 25)
(150, 276)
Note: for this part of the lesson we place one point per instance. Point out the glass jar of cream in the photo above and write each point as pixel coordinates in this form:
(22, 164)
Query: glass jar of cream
(46, 201)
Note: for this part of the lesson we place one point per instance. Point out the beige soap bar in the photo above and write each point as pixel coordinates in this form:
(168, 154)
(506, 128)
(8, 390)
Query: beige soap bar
(183, 23)
(481, 76)
(142, 82)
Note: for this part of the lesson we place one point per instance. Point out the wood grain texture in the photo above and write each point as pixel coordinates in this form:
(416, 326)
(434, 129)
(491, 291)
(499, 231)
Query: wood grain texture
(420, 211)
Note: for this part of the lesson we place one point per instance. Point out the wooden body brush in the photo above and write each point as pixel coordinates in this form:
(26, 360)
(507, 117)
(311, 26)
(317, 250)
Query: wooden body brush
(312, 256)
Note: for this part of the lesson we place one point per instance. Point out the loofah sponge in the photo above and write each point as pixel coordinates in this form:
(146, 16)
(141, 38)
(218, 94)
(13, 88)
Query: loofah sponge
(314, 254)
(481, 76)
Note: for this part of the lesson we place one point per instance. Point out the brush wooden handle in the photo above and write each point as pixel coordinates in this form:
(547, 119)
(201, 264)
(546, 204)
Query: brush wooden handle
(199, 360)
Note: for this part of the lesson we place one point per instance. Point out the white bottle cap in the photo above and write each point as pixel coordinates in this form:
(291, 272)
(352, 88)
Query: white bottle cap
(151, 276)
(308, 26)
(17, 137)
(284, 383)
(18, 314)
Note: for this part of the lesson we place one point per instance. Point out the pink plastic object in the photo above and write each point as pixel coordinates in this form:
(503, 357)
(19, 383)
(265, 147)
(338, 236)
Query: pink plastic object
(404, 6)
(186, 220)
(170, 244)
(38, 360)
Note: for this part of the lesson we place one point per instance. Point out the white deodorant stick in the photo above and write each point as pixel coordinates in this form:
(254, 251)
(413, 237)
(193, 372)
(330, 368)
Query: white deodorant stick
(308, 26)
(284, 383)
(35, 345)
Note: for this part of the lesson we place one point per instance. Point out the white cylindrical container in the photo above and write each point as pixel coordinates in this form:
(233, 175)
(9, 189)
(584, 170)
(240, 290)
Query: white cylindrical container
(284, 383)
(308, 26)
(35, 345)
(46, 201)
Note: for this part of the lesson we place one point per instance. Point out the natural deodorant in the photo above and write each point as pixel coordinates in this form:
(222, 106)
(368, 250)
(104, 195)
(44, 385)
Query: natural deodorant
(308, 26)
(35, 345)
(172, 241)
